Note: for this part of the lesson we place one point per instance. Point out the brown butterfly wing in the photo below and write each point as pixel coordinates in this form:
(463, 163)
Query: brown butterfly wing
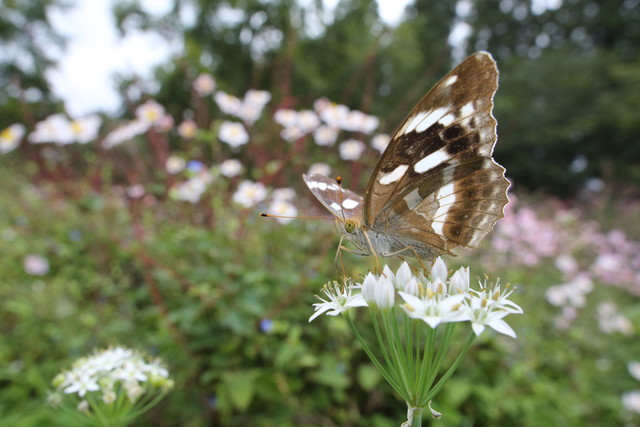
(436, 183)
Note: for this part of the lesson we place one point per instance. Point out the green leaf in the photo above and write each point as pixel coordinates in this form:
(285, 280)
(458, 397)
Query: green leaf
(240, 388)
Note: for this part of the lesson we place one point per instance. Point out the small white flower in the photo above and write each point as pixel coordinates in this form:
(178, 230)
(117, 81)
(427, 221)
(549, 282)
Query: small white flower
(283, 194)
(357, 121)
(204, 84)
(258, 98)
(36, 265)
(378, 291)
(286, 117)
(249, 113)
(334, 114)
(351, 149)
(230, 168)
(439, 270)
(192, 190)
(228, 104)
(634, 369)
(249, 194)
(135, 191)
(81, 385)
(320, 169)
(175, 164)
(631, 401)
(291, 134)
(55, 128)
(459, 282)
(283, 207)
(86, 129)
(485, 309)
(325, 135)
(380, 142)
(433, 309)
(340, 299)
(150, 112)
(10, 137)
(125, 133)
(307, 121)
(233, 133)
(187, 129)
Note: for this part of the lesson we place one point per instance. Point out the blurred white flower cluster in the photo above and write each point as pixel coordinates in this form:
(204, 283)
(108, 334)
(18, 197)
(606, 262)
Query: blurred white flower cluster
(438, 298)
(109, 376)
(250, 194)
(326, 121)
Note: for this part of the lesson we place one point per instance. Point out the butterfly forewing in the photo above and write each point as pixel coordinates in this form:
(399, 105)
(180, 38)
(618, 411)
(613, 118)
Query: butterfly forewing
(436, 183)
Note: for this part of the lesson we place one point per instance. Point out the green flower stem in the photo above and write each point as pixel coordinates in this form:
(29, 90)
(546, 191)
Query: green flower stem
(434, 391)
(399, 355)
(390, 379)
(417, 417)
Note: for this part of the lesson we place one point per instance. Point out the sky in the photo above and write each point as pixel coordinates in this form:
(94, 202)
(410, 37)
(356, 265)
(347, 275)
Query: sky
(84, 76)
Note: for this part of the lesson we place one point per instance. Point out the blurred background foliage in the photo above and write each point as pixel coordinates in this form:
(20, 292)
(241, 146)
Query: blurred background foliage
(224, 297)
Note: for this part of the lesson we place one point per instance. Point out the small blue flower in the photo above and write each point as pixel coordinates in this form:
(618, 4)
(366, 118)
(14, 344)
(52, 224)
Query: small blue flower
(195, 166)
(266, 325)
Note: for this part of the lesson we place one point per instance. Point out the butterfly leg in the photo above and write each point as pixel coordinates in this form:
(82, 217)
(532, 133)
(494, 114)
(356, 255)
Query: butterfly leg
(415, 254)
(374, 253)
(339, 256)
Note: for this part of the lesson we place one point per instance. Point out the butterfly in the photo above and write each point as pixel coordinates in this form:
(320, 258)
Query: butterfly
(436, 186)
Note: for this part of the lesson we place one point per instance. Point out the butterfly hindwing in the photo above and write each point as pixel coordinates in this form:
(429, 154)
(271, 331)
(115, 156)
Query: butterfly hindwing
(436, 183)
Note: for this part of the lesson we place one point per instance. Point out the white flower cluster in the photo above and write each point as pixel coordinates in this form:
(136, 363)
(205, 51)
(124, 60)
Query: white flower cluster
(192, 189)
(326, 121)
(58, 129)
(250, 193)
(109, 371)
(434, 300)
(148, 115)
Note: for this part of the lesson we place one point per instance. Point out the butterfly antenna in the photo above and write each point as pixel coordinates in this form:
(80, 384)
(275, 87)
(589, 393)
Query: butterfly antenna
(266, 215)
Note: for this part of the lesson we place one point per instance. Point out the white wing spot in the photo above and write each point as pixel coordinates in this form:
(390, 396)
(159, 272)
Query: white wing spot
(431, 118)
(335, 206)
(468, 109)
(431, 161)
(411, 124)
(445, 199)
(350, 203)
(394, 175)
(451, 80)
(322, 186)
(438, 227)
(447, 119)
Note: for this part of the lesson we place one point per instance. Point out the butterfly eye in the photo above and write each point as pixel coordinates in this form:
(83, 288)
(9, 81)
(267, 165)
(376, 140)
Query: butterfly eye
(350, 226)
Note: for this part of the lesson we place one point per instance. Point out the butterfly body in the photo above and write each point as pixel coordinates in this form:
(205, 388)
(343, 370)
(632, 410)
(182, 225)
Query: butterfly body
(436, 185)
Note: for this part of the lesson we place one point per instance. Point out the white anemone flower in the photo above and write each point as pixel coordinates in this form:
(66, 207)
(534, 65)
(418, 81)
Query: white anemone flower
(55, 128)
(325, 135)
(231, 168)
(187, 129)
(249, 194)
(351, 149)
(151, 112)
(10, 137)
(320, 169)
(233, 133)
(283, 208)
(380, 142)
(86, 128)
(204, 84)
